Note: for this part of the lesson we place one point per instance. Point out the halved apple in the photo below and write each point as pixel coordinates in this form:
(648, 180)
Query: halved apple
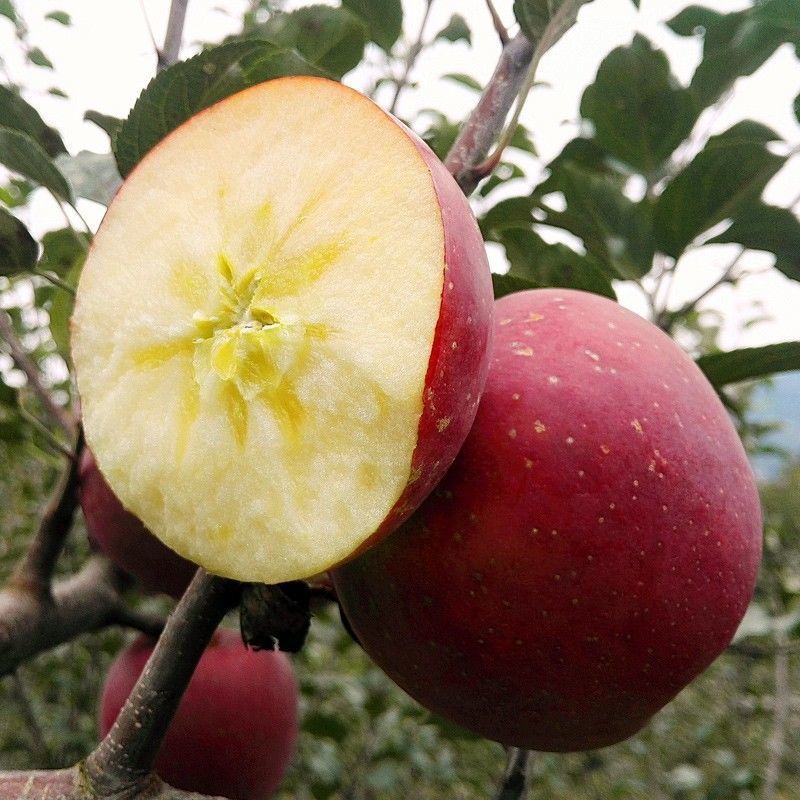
(281, 331)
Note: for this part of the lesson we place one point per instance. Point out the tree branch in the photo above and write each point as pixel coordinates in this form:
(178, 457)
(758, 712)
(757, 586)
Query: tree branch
(31, 623)
(34, 572)
(169, 53)
(487, 120)
(500, 29)
(69, 784)
(23, 362)
(122, 762)
(515, 779)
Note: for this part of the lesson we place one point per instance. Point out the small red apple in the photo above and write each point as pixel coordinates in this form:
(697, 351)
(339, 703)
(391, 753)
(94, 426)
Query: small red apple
(125, 540)
(235, 730)
(592, 549)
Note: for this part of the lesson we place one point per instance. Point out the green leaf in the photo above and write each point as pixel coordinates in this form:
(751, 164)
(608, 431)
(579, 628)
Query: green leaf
(508, 284)
(456, 30)
(7, 10)
(384, 19)
(180, 91)
(60, 313)
(22, 154)
(505, 171)
(747, 130)
(8, 396)
(770, 228)
(614, 229)
(109, 124)
(19, 115)
(37, 57)
(694, 20)
(464, 80)
(751, 362)
(65, 254)
(639, 111)
(91, 175)
(325, 726)
(331, 38)
(534, 16)
(738, 43)
(585, 154)
(546, 264)
(62, 249)
(18, 249)
(16, 192)
(513, 212)
(56, 92)
(522, 140)
(441, 134)
(725, 177)
(59, 16)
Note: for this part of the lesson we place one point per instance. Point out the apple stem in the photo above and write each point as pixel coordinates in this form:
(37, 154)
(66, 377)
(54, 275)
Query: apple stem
(123, 761)
(515, 780)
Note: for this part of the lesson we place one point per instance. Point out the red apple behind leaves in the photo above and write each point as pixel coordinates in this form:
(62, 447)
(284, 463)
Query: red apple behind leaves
(235, 730)
(125, 540)
(592, 549)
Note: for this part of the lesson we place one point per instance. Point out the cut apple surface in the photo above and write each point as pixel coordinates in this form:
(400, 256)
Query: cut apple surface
(281, 331)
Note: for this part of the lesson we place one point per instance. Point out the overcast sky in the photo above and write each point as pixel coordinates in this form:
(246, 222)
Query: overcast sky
(105, 59)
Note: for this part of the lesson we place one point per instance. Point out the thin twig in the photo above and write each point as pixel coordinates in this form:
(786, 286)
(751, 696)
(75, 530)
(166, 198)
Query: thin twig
(34, 572)
(24, 363)
(52, 440)
(780, 713)
(150, 624)
(411, 58)
(666, 320)
(515, 780)
(149, 27)
(34, 728)
(501, 30)
(52, 278)
(169, 53)
(554, 30)
(123, 761)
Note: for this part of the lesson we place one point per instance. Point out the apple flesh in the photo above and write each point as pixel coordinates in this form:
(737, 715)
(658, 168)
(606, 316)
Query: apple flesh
(281, 331)
(592, 549)
(235, 730)
(123, 538)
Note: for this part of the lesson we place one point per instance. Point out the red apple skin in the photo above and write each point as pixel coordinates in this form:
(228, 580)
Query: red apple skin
(592, 549)
(459, 358)
(124, 539)
(235, 730)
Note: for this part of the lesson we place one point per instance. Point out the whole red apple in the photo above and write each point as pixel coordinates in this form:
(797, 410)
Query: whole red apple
(590, 552)
(235, 730)
(125, 540)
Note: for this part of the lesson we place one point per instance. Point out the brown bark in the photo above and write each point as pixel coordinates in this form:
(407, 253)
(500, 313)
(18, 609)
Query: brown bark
(487, 120)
